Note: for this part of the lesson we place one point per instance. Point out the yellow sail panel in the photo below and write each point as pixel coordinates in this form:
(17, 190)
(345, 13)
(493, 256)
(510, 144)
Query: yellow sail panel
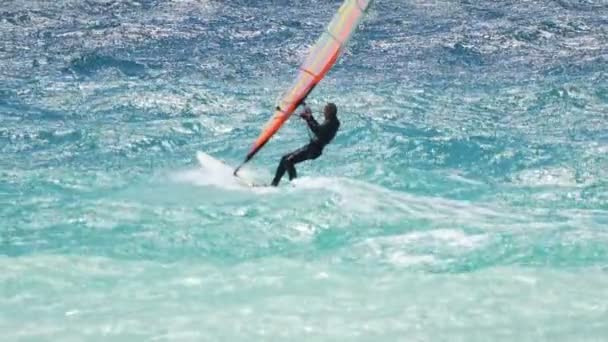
(322, 56)
(297, 91)
(349, 15)
(319, 61)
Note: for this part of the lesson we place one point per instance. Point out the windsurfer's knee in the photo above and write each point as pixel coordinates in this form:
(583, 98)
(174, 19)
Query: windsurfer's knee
(287, 160)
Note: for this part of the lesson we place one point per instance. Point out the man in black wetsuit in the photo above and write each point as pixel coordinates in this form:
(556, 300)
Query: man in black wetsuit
(323, 135)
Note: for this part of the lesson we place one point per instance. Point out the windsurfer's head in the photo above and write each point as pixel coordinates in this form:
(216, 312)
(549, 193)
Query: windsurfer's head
(331, 112)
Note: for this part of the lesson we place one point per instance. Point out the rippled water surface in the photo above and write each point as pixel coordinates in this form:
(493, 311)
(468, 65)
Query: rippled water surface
(464, 198)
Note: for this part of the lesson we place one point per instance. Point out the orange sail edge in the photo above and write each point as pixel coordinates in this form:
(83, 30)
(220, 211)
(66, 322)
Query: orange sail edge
(278, 119)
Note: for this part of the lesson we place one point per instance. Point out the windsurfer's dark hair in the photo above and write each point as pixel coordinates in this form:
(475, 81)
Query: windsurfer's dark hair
(333, 110)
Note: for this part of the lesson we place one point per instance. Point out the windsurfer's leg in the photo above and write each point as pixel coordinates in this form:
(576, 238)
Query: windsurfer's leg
(280, 172)
(287, 164)
(307, 152)
(294, 158)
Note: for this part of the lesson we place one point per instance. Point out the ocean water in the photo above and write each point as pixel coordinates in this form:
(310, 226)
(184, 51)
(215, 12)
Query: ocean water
(464, 198)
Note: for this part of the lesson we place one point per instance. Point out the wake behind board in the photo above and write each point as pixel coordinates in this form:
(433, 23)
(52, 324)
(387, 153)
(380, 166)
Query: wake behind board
(221, 173)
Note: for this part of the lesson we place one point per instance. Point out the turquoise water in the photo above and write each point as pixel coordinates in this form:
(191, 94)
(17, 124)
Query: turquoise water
(464, 198)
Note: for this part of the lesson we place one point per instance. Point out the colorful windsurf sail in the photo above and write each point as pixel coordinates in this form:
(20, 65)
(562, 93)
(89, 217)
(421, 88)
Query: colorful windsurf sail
(319, 61)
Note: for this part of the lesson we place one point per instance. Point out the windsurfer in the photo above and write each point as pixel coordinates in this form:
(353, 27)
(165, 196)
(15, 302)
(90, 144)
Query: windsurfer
(323, 135)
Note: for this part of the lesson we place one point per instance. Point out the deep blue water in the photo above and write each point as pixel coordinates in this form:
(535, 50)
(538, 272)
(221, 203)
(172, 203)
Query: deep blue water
(464, 198)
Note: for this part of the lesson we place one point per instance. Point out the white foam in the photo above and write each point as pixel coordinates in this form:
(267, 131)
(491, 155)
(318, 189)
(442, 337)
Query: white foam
(451, 237)
(563, 177)
(456, 176)
(364, 197)
(400, 258)
(364, 200)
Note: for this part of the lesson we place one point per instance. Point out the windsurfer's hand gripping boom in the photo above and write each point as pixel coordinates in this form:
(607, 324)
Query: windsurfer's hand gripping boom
(306, 113)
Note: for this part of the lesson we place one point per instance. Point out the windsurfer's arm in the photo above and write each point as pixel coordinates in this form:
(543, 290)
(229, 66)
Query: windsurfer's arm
(310, 120)
(314, 125)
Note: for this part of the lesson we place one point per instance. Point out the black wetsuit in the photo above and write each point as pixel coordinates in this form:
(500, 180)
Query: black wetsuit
(324, 133)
